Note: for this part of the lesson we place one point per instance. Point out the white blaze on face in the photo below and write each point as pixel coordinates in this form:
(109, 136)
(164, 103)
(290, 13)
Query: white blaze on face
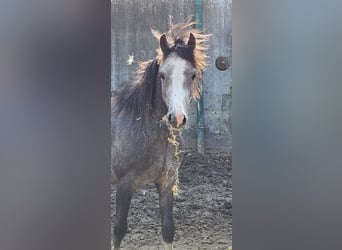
(178, 92)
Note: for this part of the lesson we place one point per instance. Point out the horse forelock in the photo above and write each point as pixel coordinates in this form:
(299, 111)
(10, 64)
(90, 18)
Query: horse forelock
(178, 36)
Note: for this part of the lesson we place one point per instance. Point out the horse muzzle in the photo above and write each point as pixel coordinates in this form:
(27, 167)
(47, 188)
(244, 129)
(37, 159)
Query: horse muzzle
(176, 119)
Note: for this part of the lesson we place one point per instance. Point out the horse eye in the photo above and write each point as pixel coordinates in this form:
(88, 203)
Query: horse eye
(162, 76)
(193, 76)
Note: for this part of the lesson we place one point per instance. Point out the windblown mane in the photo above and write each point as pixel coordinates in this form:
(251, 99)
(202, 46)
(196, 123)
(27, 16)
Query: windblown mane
(179, 33)
(139, 98)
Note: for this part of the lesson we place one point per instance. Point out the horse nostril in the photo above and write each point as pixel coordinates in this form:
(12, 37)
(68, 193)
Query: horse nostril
(184, 120)
(170, 117)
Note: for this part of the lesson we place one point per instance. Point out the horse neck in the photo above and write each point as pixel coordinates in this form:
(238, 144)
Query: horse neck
(159, 108)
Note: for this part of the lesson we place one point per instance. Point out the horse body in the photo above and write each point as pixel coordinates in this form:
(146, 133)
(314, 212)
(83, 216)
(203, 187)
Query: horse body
(147, 122)
(145, 156)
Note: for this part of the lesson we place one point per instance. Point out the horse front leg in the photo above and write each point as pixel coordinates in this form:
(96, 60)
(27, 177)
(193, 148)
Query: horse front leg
(123, 201)
(165, 205)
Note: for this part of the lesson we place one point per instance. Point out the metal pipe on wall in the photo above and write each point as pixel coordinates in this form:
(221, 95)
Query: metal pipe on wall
(200, 105)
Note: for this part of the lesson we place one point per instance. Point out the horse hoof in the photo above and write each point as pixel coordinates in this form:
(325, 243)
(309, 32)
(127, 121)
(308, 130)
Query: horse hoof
(168, 246)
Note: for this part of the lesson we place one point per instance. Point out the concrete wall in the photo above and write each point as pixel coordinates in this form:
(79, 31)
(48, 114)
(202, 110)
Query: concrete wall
(132, 21)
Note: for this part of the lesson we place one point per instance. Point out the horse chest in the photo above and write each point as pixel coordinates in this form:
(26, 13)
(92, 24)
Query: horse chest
(138, 153)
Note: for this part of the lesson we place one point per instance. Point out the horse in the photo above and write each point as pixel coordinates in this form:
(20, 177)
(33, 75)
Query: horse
(148, 117)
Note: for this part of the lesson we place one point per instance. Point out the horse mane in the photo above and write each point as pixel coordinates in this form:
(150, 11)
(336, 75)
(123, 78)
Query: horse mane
(139, 98)
(179, 34)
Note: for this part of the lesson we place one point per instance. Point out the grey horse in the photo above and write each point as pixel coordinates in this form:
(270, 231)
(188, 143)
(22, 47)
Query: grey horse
(148, 117)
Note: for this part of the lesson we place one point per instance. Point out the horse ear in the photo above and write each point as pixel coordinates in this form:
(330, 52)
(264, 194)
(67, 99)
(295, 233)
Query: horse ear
(192, 41)
(163, 44)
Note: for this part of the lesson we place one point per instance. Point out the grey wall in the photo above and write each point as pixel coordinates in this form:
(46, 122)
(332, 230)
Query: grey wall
(132, 21)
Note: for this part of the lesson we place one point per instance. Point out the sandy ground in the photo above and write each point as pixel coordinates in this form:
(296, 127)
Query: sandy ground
(202, 210)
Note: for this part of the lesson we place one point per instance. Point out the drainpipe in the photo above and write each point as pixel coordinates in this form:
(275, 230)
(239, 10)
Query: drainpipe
(200, 106)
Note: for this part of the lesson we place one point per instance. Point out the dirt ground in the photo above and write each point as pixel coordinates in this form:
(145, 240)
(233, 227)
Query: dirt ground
(202, 210)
